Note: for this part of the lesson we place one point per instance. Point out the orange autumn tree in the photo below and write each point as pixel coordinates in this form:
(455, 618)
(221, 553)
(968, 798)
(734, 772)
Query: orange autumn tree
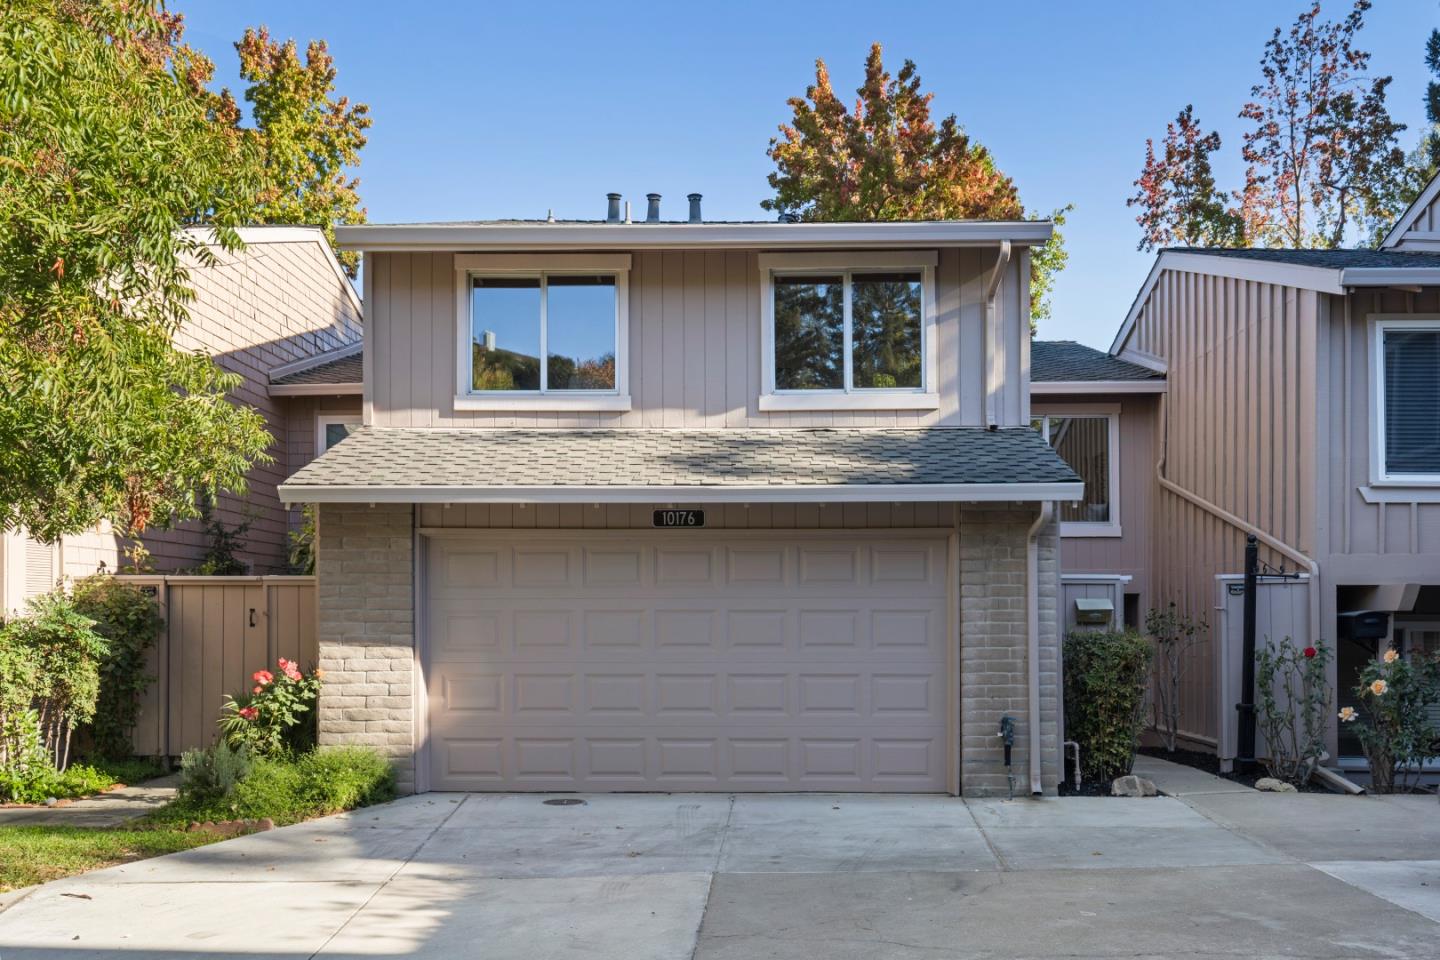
(887, 159)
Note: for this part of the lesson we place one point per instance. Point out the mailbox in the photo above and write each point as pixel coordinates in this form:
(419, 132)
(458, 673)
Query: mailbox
(1094, 612)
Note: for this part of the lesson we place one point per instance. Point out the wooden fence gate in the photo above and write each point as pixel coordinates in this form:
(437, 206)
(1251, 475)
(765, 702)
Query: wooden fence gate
(218, 632)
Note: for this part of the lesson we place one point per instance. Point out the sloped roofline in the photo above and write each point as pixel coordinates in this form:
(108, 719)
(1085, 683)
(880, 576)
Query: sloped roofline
(288, 233)
(1412, 213)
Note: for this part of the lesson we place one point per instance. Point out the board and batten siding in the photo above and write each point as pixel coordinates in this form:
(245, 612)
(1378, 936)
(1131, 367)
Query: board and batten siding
(1238, 429)
(694, 346)
(1130, 553)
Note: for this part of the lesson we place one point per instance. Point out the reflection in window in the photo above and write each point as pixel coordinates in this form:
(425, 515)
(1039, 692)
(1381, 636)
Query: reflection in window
(573, 316)
(335, 432)
(885, 311)
(580, 333)
(1083, 443)
(809, 333)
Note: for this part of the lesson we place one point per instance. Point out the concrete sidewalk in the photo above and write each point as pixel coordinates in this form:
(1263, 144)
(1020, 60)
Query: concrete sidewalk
(111, 809)
(1178, 780)
(713, 876)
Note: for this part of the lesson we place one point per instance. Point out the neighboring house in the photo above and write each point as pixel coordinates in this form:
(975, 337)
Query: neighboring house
(1302, 405)
(1101, 415)
(281, 308)
(694, 506)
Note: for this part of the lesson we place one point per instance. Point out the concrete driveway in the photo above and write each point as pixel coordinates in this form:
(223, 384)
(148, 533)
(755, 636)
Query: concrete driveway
(682, 876)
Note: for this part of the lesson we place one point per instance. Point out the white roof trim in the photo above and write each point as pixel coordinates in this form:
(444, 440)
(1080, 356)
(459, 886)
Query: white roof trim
(315, 389)
(286, 233)
(1412, 213)
(1038, 387)
(1389, 276)
(475, 237)
(316, 360)
(764, 493)
(1323, 279)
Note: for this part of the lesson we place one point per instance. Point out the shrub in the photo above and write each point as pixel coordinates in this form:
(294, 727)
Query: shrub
(56, 654)
(211, 775)
(223, 545)
(1106, 675)
(1292, 704)
(302, 542)
(129, 619)
(277, 715)
(1393, 723)
(1174, 635)
(291, 788)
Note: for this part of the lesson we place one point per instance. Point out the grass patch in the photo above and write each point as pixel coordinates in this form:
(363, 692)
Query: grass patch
(291, 789)
(30, 855)
(82, 780)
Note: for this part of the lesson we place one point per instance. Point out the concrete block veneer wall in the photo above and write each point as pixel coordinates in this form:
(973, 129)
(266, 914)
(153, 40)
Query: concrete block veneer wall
(993, 650)
(366, 572)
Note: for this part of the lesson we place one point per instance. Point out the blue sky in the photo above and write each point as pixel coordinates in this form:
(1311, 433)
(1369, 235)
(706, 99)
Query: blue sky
(508, 110)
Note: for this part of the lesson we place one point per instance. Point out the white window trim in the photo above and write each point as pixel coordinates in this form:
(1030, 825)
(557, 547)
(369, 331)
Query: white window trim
(536, 265)
(925, 397)
(1379, 323)
(1111, 412)
(324, 420)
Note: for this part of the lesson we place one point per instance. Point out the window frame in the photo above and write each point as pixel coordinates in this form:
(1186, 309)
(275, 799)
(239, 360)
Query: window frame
(470, 266)
(849, 397)
(1379, 325)
(1111, 413)
(323, 420)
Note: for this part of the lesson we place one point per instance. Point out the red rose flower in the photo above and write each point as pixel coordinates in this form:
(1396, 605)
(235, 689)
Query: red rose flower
(249, 713)
(1310, 652)
(263, 677)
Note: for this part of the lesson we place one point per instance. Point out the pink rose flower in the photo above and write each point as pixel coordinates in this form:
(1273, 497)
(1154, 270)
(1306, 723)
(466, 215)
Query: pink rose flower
(263, 677)
(249, 713)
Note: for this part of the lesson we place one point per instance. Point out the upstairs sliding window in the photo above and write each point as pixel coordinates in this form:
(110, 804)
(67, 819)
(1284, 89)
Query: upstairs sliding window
(570, 320)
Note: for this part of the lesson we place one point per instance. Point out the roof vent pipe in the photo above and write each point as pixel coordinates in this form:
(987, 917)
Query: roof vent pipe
(612, 211)
(652, 208)
(694, 199)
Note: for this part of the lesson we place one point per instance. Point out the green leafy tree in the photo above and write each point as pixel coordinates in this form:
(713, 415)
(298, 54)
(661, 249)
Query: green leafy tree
(306, 135)
(1423, 164)
(1178, 200)
(888, 160)
(105, 149)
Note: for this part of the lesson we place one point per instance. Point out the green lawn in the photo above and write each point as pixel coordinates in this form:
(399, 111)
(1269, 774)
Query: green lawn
(30, 855)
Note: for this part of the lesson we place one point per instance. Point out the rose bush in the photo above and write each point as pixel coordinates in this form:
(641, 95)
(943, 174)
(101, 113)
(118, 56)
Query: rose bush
(1393, 722)
(278, 714)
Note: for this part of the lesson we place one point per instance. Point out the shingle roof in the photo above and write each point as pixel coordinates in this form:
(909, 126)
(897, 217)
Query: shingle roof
(340, 370)
(440, 460)
(1066, 360)
(1328, 259)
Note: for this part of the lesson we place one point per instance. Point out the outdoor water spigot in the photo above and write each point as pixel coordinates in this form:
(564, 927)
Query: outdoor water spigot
(1007, 734)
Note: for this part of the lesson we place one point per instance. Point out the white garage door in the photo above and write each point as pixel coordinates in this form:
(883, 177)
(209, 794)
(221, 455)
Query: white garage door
(687, 660)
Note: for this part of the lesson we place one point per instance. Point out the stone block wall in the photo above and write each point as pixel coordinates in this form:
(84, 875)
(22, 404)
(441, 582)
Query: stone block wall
(365, 567)
(993, 649)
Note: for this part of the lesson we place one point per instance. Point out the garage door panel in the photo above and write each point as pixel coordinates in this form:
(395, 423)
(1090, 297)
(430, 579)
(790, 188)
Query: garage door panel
(644, 665)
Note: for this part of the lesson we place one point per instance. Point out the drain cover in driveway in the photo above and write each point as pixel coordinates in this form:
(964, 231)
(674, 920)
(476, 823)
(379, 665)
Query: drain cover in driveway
(563, 802)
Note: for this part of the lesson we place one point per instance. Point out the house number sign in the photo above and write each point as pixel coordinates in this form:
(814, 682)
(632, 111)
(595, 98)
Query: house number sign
(679, 518)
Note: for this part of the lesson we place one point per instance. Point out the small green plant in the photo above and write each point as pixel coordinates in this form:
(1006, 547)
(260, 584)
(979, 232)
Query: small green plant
(277, 715)
(223, 544)
(25, 768)
(302, 542)
(292, 787)
(1174, 635)
(1106, 675)
(1393, 722)
(128, 617)
(211, 775)
(1292, 707)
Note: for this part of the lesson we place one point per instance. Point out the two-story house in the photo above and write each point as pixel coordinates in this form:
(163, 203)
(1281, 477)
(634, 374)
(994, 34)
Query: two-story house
(1302, 405)
(282, 315)
(694, 506)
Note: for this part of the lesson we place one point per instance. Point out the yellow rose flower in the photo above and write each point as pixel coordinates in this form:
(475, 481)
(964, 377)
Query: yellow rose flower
(1392, 655)
(1347, 714)
(1379, 687)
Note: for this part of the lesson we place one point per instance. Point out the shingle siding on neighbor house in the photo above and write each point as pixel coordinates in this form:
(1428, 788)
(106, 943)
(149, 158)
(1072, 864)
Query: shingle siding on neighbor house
(694, 346)
(366, 571)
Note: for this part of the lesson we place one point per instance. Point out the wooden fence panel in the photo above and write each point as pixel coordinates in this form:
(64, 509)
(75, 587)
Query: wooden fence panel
(218, 632)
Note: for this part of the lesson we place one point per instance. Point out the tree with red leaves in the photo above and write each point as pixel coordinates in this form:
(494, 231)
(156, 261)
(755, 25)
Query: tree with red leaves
(886, 159)
(1178, 200)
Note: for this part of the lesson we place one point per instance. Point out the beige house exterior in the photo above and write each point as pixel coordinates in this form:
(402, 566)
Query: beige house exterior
(280, 309)
(769, 516)
(1300, 406)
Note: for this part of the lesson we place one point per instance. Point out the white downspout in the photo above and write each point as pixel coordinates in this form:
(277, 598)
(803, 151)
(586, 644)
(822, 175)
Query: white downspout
(1032, 637)
(987, 372)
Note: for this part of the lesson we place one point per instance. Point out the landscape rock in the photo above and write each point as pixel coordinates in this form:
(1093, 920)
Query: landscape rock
(1132, 786)
(1271, 785)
